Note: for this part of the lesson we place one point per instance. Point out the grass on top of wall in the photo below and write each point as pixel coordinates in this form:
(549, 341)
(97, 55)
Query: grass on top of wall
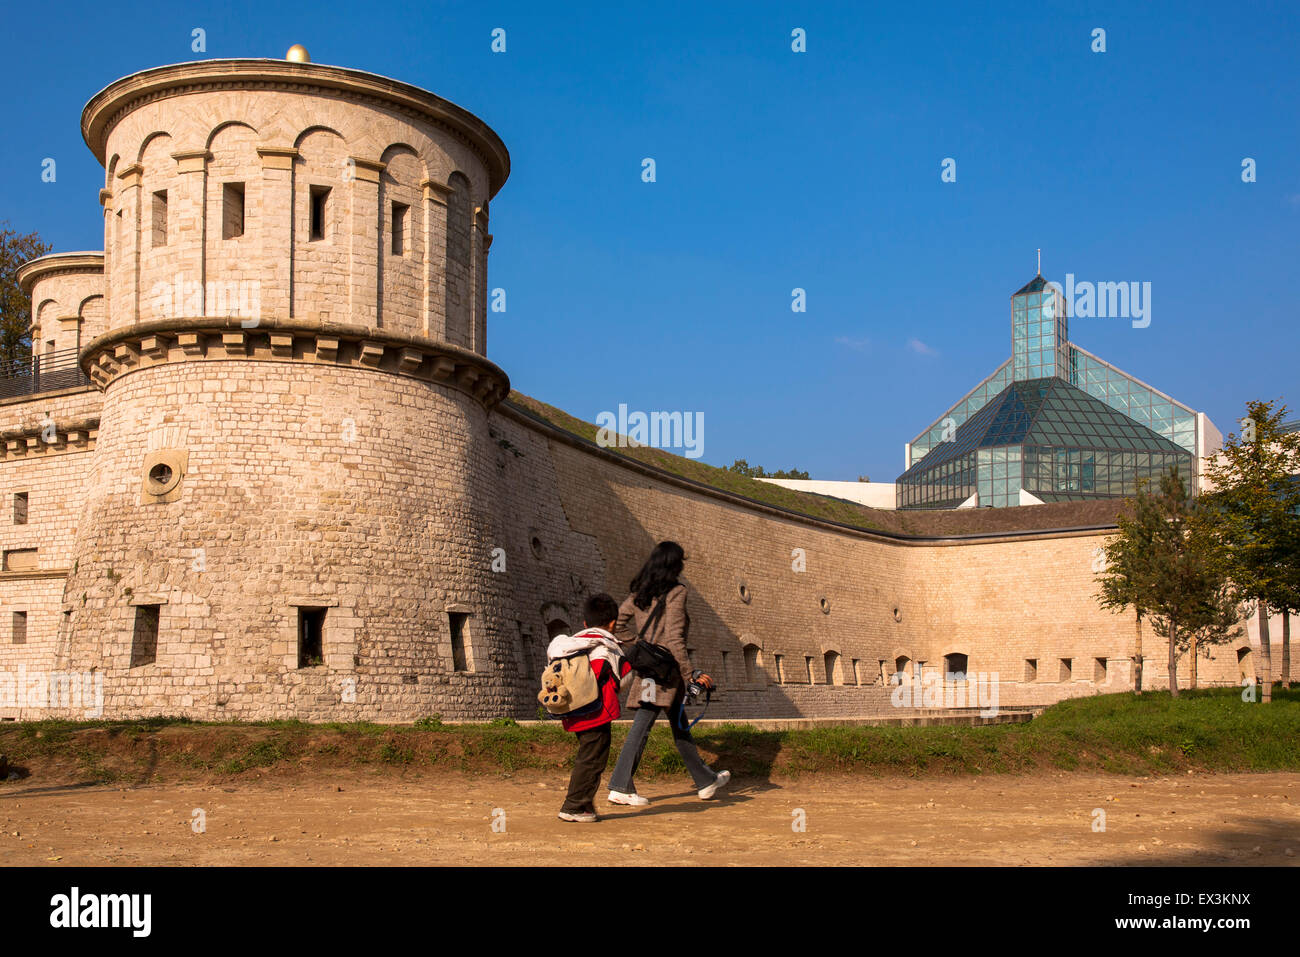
(806, 503)
(919, 522)
(1211, 730)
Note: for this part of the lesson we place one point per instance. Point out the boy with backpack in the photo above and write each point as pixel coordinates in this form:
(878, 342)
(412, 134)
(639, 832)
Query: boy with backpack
(584, 676)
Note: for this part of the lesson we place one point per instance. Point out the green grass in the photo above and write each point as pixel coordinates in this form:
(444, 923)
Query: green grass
(807, 503)
(1211, 730)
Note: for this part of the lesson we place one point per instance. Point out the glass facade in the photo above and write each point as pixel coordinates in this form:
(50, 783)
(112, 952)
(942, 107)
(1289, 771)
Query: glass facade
(970, 403)
(1044, 436)
(1053, 420)
(1039, 332)
(1139, 402)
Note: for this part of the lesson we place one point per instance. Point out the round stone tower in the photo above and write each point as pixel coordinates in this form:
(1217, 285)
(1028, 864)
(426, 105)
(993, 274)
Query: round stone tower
(288, 502)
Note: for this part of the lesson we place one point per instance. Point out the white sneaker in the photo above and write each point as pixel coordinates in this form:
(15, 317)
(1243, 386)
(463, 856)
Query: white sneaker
(712, 789)
(585, 817)
(631, 800)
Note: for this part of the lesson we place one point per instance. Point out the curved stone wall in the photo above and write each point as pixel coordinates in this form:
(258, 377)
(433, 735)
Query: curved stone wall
(292, 485)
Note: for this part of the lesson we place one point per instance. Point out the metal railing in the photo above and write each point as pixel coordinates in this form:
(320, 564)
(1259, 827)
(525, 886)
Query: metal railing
(45, 373)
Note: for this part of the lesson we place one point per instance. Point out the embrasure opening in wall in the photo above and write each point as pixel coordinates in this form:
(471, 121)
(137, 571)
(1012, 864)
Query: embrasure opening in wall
(831, 662)
(955, 666)
(311, 637)
(160, 476)
(458, 621)
(163, 471)
(144, 636)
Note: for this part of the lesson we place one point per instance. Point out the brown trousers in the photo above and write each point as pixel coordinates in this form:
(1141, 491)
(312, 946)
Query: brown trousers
(588, 766)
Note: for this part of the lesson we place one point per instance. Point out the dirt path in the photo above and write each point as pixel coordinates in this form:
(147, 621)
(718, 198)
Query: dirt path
(1036, 819)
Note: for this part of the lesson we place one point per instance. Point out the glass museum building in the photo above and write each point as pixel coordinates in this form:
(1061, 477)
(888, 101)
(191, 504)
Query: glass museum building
(1053, 423)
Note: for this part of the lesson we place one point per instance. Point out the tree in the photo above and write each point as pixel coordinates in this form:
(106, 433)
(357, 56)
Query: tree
(1215, 623)
(1290, 592)
(1255, 511)
(15, 307)
(1164, 565)
(741, 467)
(1125, 568)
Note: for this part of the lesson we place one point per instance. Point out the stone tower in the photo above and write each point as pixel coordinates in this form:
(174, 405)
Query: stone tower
(288, 501)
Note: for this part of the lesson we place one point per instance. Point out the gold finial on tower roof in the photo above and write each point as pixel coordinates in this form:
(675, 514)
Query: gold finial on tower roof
(297, 54)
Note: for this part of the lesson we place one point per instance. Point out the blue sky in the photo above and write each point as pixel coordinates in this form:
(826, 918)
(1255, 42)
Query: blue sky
(778, 170)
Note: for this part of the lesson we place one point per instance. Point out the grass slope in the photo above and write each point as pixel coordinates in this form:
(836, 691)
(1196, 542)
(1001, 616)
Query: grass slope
(920, 523)
(1210, 730)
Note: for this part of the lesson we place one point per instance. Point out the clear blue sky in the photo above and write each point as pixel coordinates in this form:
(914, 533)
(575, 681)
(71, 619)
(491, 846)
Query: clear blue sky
(778, 170)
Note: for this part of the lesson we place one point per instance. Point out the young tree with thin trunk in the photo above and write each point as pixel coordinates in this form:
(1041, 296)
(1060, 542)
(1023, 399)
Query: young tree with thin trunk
(1119, 587)
(1255, 513)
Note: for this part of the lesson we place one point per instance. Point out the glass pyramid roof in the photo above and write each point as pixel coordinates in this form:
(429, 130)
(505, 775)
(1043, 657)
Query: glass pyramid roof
(1045, 412)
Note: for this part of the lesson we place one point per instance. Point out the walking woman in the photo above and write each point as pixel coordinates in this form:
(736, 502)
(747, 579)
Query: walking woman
(656, 611)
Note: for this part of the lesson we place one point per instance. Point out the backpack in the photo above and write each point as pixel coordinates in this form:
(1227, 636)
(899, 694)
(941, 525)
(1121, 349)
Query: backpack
(568, 685)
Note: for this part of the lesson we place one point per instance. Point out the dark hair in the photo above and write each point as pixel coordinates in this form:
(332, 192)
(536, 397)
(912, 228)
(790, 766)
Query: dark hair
(658, 576)
(599, 611)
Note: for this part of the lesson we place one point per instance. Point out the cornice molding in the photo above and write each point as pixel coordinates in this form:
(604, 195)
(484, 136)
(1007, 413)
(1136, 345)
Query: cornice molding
(78, 435)
(56, 263)
(117, 99)
(209, 338)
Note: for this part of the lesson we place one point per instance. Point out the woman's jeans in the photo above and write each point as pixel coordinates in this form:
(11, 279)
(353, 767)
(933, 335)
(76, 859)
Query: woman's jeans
(629, 759)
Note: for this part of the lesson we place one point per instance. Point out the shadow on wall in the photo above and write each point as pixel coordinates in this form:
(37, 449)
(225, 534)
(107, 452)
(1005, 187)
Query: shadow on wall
(594, 495)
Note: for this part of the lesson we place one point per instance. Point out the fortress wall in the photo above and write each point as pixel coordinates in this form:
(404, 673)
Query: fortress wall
(39, 552)
(998, 602)
(302, 485)
(1035, 598)
(602, 509)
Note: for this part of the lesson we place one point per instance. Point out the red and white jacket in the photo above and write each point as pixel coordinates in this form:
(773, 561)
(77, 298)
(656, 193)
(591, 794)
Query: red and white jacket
(606, 681)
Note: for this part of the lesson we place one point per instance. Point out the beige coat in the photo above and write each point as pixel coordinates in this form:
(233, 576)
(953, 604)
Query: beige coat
(669, 630)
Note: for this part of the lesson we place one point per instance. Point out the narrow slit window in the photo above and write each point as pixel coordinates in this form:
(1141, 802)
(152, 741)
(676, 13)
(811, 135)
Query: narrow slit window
(400, 211)
(458, 621)
(311, 637)
(144, 639)
(20, 508)
(20, 628)
(160, 218)
(319, 209)
(232, 210)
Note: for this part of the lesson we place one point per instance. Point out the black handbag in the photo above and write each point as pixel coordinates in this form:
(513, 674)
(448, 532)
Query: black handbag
(648, 659)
